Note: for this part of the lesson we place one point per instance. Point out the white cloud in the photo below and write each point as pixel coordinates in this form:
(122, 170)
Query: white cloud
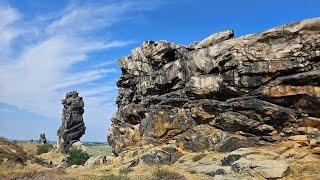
(91, 17)
(8, 15)
(51, 56)
(8, 32)
(83, 77)
(106, 63)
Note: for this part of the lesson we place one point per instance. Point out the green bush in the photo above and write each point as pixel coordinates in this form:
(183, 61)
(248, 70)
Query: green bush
(77, 157)
(44, 148)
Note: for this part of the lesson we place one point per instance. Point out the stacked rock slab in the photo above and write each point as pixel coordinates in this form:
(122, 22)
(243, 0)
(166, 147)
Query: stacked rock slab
(43, 139)
(222, 93)
(72, 127)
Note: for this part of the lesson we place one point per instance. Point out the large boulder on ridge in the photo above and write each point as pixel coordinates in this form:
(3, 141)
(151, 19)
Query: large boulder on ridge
(72, 127)
(222, 93)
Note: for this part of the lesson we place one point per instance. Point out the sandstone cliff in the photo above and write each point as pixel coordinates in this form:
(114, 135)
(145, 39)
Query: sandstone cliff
(222, 93)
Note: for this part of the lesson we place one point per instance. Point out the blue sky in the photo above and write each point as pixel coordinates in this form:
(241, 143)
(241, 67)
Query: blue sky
(48, 48)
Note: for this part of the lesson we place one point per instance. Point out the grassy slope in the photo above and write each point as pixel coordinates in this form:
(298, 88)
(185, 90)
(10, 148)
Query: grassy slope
(98, 149)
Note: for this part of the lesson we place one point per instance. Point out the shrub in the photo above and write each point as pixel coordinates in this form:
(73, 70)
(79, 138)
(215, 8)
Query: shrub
(44, 148)
(77, 157)
(165, 174)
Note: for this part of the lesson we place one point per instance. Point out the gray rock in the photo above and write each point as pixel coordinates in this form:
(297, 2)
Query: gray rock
(95, 160)
(222, 93)
(79, 145)
(206, 165)
(231, 158)
(130, 164)
(43, 139)
(215, 38)
(236, 142)
(269, 169)
(167, 155)
(72, 127)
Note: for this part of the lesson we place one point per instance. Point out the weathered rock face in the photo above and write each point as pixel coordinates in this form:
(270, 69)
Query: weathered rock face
(43, 139)
(222, 93)
(72, 127)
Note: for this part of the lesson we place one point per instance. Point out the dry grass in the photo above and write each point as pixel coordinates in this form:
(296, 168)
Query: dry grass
(306, 167)
(29, 147)
(162, 173)
(52, 156)
(11, 152)
(31, 171)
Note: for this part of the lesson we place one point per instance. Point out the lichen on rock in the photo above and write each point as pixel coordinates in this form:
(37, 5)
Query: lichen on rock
(221, 94)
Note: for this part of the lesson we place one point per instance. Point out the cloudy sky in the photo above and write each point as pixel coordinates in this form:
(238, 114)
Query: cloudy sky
(50, 47)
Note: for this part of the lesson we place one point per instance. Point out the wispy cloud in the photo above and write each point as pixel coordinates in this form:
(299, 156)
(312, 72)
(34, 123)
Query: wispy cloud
(106, 63)
(47, 63)
(8, 31)
(92, 17)
(83, 77)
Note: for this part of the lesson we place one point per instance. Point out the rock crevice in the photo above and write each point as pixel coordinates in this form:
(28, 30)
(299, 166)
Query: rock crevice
(222, 93)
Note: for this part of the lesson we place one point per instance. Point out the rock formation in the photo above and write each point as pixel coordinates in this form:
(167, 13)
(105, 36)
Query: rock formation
(72, 127)
(43, 139)
(220, 94)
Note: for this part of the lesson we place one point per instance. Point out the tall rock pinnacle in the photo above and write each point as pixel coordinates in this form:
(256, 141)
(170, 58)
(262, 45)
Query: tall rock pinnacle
(72, 127)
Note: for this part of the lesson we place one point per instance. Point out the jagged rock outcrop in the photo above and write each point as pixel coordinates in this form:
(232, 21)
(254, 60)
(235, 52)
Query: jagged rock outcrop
(72, 127)
(43, 139)
(223, 93)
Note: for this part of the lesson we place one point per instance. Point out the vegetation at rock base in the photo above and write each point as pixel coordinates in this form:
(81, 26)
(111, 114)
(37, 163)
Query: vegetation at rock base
(77, 157)
(161, 173)
(44, 148)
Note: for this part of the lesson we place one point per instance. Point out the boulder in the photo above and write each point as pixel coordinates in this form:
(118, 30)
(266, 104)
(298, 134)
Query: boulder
(130, 164)
(269, 169)
(79, 145)
(95, 160)
(316, 150)
(203, 164)
(167, 155)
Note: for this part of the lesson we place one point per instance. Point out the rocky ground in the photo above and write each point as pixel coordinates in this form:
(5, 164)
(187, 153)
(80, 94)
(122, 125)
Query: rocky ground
(292, 159)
